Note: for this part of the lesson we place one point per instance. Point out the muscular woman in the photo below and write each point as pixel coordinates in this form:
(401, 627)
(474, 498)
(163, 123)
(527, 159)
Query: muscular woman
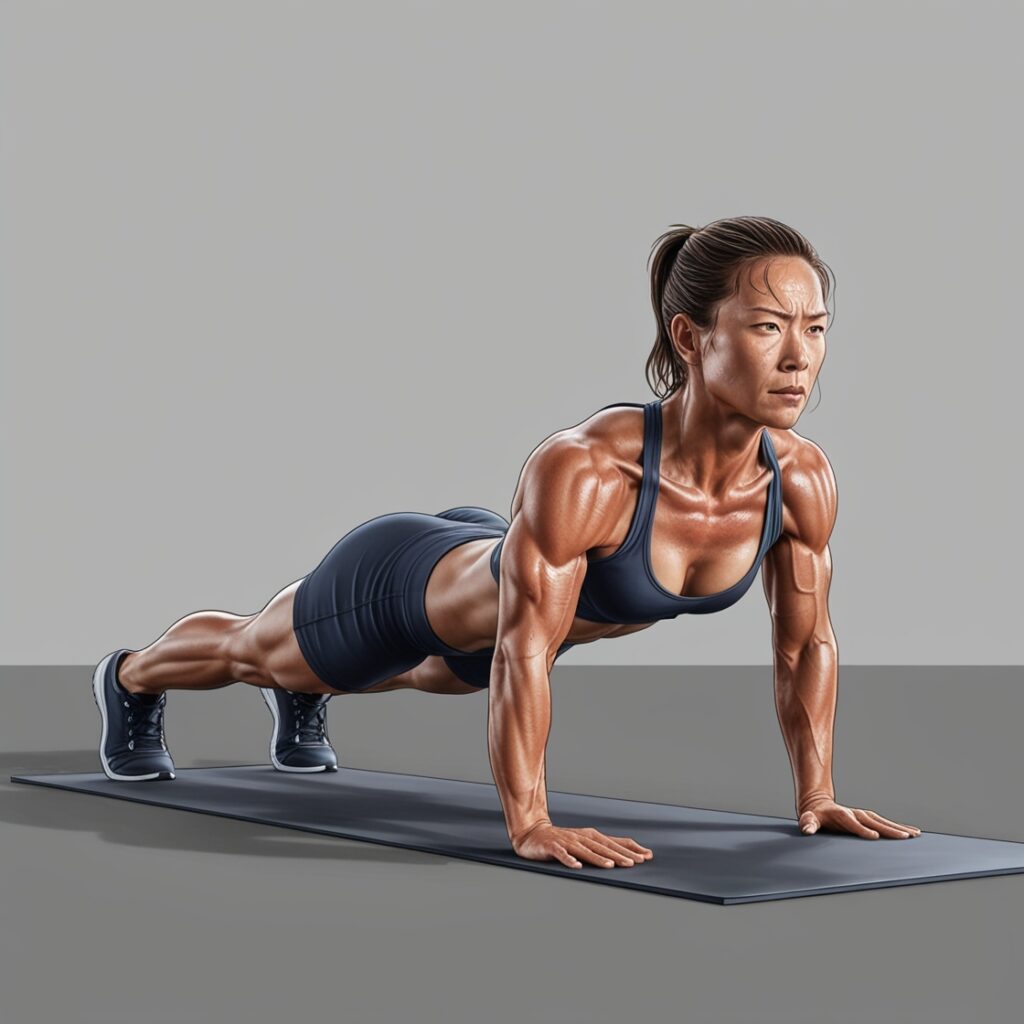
(639, 513)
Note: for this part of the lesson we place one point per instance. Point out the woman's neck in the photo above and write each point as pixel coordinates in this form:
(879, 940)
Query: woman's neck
(706, 446)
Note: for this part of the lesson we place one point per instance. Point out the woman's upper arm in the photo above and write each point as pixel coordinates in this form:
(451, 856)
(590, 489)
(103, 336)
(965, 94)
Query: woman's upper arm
(543, 557)
(798, 567)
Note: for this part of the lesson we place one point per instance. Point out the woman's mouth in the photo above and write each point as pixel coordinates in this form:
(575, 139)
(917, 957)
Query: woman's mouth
(792, 395)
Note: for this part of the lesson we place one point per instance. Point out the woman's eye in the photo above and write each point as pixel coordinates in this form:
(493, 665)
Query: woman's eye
(816, 327)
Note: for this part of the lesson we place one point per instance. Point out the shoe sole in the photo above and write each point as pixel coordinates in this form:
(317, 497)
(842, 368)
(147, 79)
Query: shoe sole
(272, 706)
(97, 694)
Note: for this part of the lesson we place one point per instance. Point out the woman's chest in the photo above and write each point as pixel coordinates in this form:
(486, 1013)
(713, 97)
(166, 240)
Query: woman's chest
(686, 544)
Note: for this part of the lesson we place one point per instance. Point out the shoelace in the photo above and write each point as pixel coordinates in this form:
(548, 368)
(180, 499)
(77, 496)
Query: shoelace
(311, 729)
(146, 725)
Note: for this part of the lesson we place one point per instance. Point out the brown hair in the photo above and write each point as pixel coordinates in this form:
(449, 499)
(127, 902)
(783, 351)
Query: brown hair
(695, 269)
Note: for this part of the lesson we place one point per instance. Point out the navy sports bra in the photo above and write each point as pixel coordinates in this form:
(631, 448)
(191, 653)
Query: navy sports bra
(621, 587)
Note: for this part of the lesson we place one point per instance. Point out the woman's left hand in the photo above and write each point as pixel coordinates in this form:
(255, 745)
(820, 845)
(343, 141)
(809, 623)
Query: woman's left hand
(829, 816)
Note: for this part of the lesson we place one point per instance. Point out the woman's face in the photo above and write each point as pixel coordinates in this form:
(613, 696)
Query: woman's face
(769, 336)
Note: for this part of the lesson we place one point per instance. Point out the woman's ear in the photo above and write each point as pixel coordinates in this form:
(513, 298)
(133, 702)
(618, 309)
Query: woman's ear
(685, 339)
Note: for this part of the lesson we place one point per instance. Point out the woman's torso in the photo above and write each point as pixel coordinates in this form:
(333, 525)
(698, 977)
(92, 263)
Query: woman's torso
(670, 548)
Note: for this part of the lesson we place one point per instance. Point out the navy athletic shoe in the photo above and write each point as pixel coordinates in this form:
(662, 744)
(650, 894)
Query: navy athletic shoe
(299, 742)
(132, 748)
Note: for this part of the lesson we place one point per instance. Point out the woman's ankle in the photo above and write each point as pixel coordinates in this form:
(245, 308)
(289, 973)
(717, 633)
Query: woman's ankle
(127, 676)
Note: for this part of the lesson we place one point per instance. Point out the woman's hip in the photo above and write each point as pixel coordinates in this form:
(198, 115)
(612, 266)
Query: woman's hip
(360, 616)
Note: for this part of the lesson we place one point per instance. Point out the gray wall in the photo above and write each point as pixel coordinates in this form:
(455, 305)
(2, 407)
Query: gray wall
(269, 270)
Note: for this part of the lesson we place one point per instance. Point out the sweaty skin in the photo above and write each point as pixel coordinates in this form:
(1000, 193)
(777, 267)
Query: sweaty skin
(577, 493)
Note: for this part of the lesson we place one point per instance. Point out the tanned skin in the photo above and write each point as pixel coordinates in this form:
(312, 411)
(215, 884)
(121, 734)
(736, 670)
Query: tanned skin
(577, 493)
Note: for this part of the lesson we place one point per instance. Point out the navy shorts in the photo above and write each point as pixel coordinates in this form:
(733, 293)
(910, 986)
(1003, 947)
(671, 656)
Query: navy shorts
(360, 616)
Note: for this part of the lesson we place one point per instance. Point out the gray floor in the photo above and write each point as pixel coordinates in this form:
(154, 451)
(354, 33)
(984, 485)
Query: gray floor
(114, 911)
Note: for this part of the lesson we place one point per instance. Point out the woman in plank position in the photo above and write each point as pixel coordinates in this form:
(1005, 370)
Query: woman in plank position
(639, 513)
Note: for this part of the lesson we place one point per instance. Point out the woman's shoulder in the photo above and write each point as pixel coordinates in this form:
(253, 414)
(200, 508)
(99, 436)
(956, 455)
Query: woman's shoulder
(616, 432)
(809, 492)
(590, 459)
(604, 439)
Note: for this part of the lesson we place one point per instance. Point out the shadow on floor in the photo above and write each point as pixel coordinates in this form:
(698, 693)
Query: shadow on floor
(126, 823)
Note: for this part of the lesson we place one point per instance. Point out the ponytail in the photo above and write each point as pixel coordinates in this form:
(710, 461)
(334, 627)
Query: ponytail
(663, 363)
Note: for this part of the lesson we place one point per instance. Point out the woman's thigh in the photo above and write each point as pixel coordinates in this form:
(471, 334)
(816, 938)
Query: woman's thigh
(268, 653)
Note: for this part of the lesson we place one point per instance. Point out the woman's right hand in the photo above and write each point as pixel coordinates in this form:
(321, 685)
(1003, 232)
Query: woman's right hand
(577, 846)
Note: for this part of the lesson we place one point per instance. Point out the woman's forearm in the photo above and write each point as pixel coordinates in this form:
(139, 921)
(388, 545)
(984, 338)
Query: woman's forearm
(806, 685)
(518, 723)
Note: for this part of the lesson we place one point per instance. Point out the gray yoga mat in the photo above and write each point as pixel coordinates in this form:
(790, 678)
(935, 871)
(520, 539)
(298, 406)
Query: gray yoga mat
(713, 856)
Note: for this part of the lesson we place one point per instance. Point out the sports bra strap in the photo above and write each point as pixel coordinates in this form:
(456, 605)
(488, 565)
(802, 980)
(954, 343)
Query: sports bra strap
(648, 496)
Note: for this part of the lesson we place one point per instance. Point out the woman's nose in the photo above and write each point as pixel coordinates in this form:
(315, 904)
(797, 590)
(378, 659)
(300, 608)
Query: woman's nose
(795, 354)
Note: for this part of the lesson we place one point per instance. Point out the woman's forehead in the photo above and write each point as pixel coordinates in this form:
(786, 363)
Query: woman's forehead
(791, 282)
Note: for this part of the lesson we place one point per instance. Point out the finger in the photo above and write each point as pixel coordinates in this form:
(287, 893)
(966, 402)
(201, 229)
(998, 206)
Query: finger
(851, 823)
(890, 832)
(884, 827)
(633, 846)
(611, 846)
(616, 849)
(882, 822)
(562, 854)
(607, 855)
(888, 821)
(912, 829)
(589, 856)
